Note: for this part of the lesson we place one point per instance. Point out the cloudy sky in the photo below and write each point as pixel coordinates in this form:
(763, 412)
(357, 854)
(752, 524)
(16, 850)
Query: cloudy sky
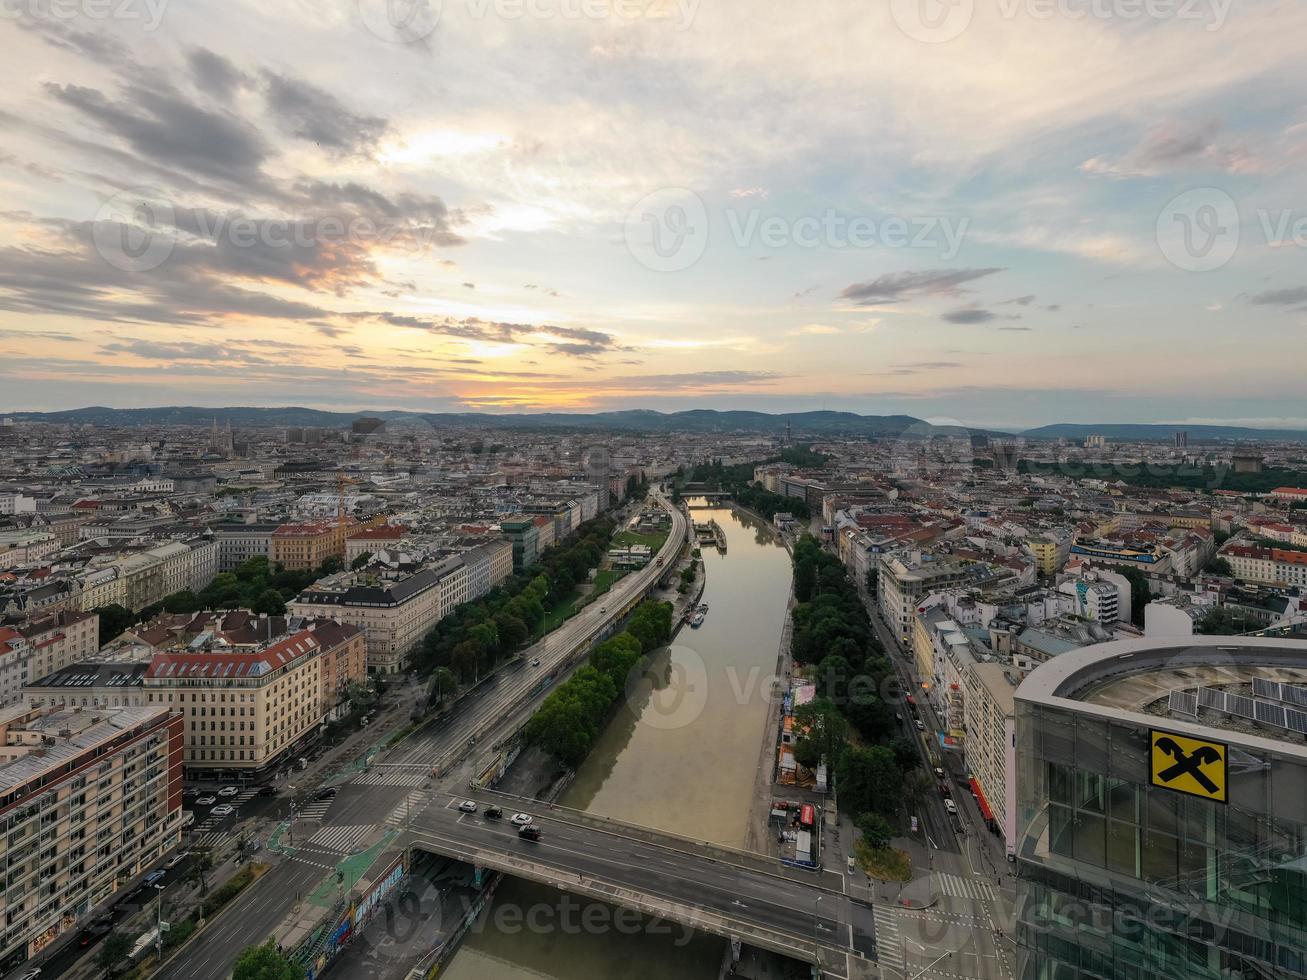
(1004, 212)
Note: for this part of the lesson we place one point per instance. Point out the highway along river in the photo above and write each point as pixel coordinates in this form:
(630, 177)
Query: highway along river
(681, 756)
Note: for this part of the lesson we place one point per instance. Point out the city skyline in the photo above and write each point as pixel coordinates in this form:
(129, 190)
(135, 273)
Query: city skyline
(1019, 221)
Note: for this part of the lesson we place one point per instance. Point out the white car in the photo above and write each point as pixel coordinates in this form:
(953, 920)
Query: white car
(225, 810)
(31, 974)
(951, 807)
(535, 662)
(177, 859)
(467, 806)
(228, 791)
(520, 819)
(920, 726)
(206, 801)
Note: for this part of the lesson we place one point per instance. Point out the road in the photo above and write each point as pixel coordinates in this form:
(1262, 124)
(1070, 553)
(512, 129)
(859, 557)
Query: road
(385, 788)
(729, 893)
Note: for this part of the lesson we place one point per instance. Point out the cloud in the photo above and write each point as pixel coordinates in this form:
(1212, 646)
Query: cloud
(896, 287)
(969, 314)
(1175, 146)
(570, 341)
(813, 330)
(214, 74)
(310, 113)
(1281, 297)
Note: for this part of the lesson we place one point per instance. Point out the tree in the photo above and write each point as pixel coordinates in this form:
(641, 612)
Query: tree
(184, 601)
(916, 785)
(1219, 621)
(269, 602)
(113, 620)
(360, 561)
(265, 963)
(1219, 566)
(875, 829)
(331, 565)
(870, 781)
(443, 682)
(199, 870)
(825, 731)
(1140, 594)
(113, 950)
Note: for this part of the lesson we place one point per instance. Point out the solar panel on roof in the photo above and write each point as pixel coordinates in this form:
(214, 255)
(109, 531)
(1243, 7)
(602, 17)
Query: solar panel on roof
(1294, 694)
(1184, 703)
(1239, 704)
(1295, 720)
(1266, 689)
(1269, 713)
(1211, 698)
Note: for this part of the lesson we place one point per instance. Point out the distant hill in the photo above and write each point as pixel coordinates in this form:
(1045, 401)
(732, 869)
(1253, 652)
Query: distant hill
(1164, 433)
(698, 420)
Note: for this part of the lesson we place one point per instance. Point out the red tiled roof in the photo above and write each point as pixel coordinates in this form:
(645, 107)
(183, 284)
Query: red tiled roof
(233, 665)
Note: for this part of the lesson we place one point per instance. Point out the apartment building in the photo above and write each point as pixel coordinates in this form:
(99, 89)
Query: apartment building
(44, 645)
(301, 546)
(524, 536)
(238, 543)
(989, 713)
(1050, 550)
(90, 685)
(905, 578)
(373, 540)
(19, 548)
(142, 578)
(89, 800)
(1271, 565)
(244, 713)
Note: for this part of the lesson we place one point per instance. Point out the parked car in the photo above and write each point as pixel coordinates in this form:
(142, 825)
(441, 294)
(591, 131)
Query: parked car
(920, 725)
(154, 877)
(529, 832)
(94, 930)
(951, 807)
(467, 806)
(31, 974)
(853, 865)
(494, 813)
(206, 801)
(521, 819)
(228, 791)
(177, 859)
(225, 810)
(939, 773)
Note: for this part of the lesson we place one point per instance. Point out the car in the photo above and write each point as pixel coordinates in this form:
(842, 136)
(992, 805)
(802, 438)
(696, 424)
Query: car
(529, 832)
(228, 791)
(853, 865)
(31, 974)
(94, 930)
(177, 859)
(154, 877)
(467, 806)
(939, 773)
(920, 726)
(520, 819)
(206, 801)
(267, 790)
(494, 813)
(951, 807)
(535, 662)
(603, 609)
(326, 794)
(225, 810)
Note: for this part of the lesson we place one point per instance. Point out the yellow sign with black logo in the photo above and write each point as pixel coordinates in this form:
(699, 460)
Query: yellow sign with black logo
(1189, 765)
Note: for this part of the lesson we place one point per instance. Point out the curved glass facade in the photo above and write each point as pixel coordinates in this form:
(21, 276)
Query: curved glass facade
(1120, 879)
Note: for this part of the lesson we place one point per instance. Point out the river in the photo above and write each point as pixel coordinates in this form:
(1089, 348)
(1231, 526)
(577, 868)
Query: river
(680, 755)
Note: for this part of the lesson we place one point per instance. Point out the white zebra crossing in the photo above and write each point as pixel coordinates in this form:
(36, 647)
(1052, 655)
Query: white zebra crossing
(396, 776)
(212, 840)
(313, 811)
(889, 944)
(344, 839)
(956, 886)
(412, 805)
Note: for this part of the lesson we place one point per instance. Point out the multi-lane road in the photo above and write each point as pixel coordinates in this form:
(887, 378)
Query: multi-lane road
(734, 894)
(402, 778)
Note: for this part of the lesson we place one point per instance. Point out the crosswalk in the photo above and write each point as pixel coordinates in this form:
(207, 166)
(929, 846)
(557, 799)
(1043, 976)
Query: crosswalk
(212, 840)
(411, 806)
(393, 776)
(344, 839)
(957, 886)
(889, 944)
(314, 811)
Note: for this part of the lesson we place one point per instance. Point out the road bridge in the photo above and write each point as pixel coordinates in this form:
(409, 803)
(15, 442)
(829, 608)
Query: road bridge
(731, 893)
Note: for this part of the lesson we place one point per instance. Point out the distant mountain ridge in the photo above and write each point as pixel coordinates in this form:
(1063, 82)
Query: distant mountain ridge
(1162, 433)
(700, 420)
(637, 420)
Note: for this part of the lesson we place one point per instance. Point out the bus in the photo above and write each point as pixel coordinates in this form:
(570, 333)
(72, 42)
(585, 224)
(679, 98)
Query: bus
(808, 816)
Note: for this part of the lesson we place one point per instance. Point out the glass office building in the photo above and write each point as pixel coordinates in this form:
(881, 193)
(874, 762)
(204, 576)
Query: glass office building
(1162, 811)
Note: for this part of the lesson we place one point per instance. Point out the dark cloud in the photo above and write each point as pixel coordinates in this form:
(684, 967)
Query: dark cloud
(968, 315)
(1019, 301)
(571, 341)
(96, 46)
(214, 74)
(895, 287)
(310, 113)
(164, 128)
(1281, 297)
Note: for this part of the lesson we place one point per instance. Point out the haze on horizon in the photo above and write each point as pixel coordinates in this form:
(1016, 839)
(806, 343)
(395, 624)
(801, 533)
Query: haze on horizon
(1005, 217)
